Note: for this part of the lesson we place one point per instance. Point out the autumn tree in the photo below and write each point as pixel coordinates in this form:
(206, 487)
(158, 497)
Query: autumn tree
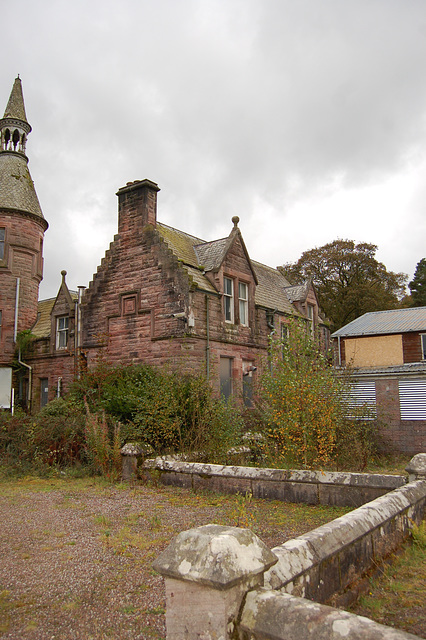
(302, 401)
(349, 280)
(418, 285)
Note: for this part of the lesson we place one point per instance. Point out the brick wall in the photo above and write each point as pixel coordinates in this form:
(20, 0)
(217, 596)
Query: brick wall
(405, 436)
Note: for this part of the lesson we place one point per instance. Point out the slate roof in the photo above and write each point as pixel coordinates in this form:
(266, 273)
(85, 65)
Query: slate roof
(298, 293)
(210, 254)
(385, 322)
(16, 186)
(41, 329)
(271, 289)
(15, 107)
(198, 256)
(42, 326)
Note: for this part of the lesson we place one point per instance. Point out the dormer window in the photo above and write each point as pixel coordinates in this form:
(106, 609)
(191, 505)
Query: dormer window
(228, 299)
(243, 303)
(62, 327)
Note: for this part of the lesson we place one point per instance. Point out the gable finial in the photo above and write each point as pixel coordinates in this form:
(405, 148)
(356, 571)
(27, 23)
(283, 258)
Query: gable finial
(235, 220)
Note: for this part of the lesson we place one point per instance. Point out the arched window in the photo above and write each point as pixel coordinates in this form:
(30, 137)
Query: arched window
(6, 138)
(15, 139)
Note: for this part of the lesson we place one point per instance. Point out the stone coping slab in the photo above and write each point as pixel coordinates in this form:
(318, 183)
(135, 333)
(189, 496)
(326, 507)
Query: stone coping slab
(278, 475)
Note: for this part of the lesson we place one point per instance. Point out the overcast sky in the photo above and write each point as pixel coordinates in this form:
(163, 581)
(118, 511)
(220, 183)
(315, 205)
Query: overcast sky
(306, 118)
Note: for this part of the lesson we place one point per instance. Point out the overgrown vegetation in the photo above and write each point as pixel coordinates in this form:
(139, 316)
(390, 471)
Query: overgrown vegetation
(299, 418)
(109, 406)
(304, 409)
(397, 596)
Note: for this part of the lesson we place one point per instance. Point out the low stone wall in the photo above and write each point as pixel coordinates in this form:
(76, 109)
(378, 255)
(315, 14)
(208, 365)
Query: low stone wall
(309, 487)
(268, 615)
(321, 564)
(222, 582)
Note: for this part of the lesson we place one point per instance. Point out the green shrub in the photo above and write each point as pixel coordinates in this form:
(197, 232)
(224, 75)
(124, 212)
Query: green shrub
(173, 413)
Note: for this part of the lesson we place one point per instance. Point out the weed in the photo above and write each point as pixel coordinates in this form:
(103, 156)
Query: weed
(102, 520)
(155, 611)
(419, 534)
(241, 514)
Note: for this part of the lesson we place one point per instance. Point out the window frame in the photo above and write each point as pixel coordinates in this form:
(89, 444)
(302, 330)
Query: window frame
(243, 304)
(61, 332)
(228, 300)
(2, 243)
(423, 345)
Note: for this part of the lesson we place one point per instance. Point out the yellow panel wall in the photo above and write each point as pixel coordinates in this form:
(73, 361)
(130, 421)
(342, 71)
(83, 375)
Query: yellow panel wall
(374, 351)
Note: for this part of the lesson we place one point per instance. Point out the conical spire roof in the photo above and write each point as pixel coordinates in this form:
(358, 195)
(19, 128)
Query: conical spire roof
(16, 107)
(17, 190)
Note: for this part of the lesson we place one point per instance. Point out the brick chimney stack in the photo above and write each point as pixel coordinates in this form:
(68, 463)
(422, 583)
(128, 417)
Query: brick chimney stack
(137, 206)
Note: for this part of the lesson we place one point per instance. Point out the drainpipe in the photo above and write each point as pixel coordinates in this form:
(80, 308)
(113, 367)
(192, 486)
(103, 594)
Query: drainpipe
(81, 288)
(15, 330)
(30, 378)
(15, 334)
(207, 338)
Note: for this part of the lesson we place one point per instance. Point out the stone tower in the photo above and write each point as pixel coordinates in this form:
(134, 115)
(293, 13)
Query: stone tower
(22, 228)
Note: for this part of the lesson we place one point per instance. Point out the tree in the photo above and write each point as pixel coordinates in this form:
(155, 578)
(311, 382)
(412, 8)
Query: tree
(301, 400)
(348, 279)
(418, 285)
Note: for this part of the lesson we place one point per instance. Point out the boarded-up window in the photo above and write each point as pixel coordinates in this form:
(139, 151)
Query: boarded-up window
(412, 399)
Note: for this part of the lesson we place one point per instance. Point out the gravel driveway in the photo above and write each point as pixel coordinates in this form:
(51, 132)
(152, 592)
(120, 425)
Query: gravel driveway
(77, 554)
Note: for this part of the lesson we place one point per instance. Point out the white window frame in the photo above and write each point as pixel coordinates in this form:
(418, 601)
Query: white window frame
(62, 329)
(228, 299)
(423, 345)
(310, 312)
(243, 293)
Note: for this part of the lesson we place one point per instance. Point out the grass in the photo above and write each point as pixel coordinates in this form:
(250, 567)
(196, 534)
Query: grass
(397, 597)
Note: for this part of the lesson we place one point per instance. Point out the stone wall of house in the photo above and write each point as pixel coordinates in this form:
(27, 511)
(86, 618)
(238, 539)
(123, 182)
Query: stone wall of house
(23, 259)
(131, 308)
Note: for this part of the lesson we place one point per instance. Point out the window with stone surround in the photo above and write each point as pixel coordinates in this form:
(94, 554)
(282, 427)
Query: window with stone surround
(2, 242)
(228, 299)
(62, 328)
(225, 374)
(243, 303)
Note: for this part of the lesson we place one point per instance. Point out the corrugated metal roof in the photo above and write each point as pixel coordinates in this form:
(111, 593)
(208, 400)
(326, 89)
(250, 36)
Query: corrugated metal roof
(385, 322)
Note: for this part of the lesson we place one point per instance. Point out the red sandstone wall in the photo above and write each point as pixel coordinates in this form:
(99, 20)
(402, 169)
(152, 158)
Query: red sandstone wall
(23, 259)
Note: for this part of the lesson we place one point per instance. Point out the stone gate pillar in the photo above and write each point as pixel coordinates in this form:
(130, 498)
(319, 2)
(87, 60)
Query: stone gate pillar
(208, 570)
